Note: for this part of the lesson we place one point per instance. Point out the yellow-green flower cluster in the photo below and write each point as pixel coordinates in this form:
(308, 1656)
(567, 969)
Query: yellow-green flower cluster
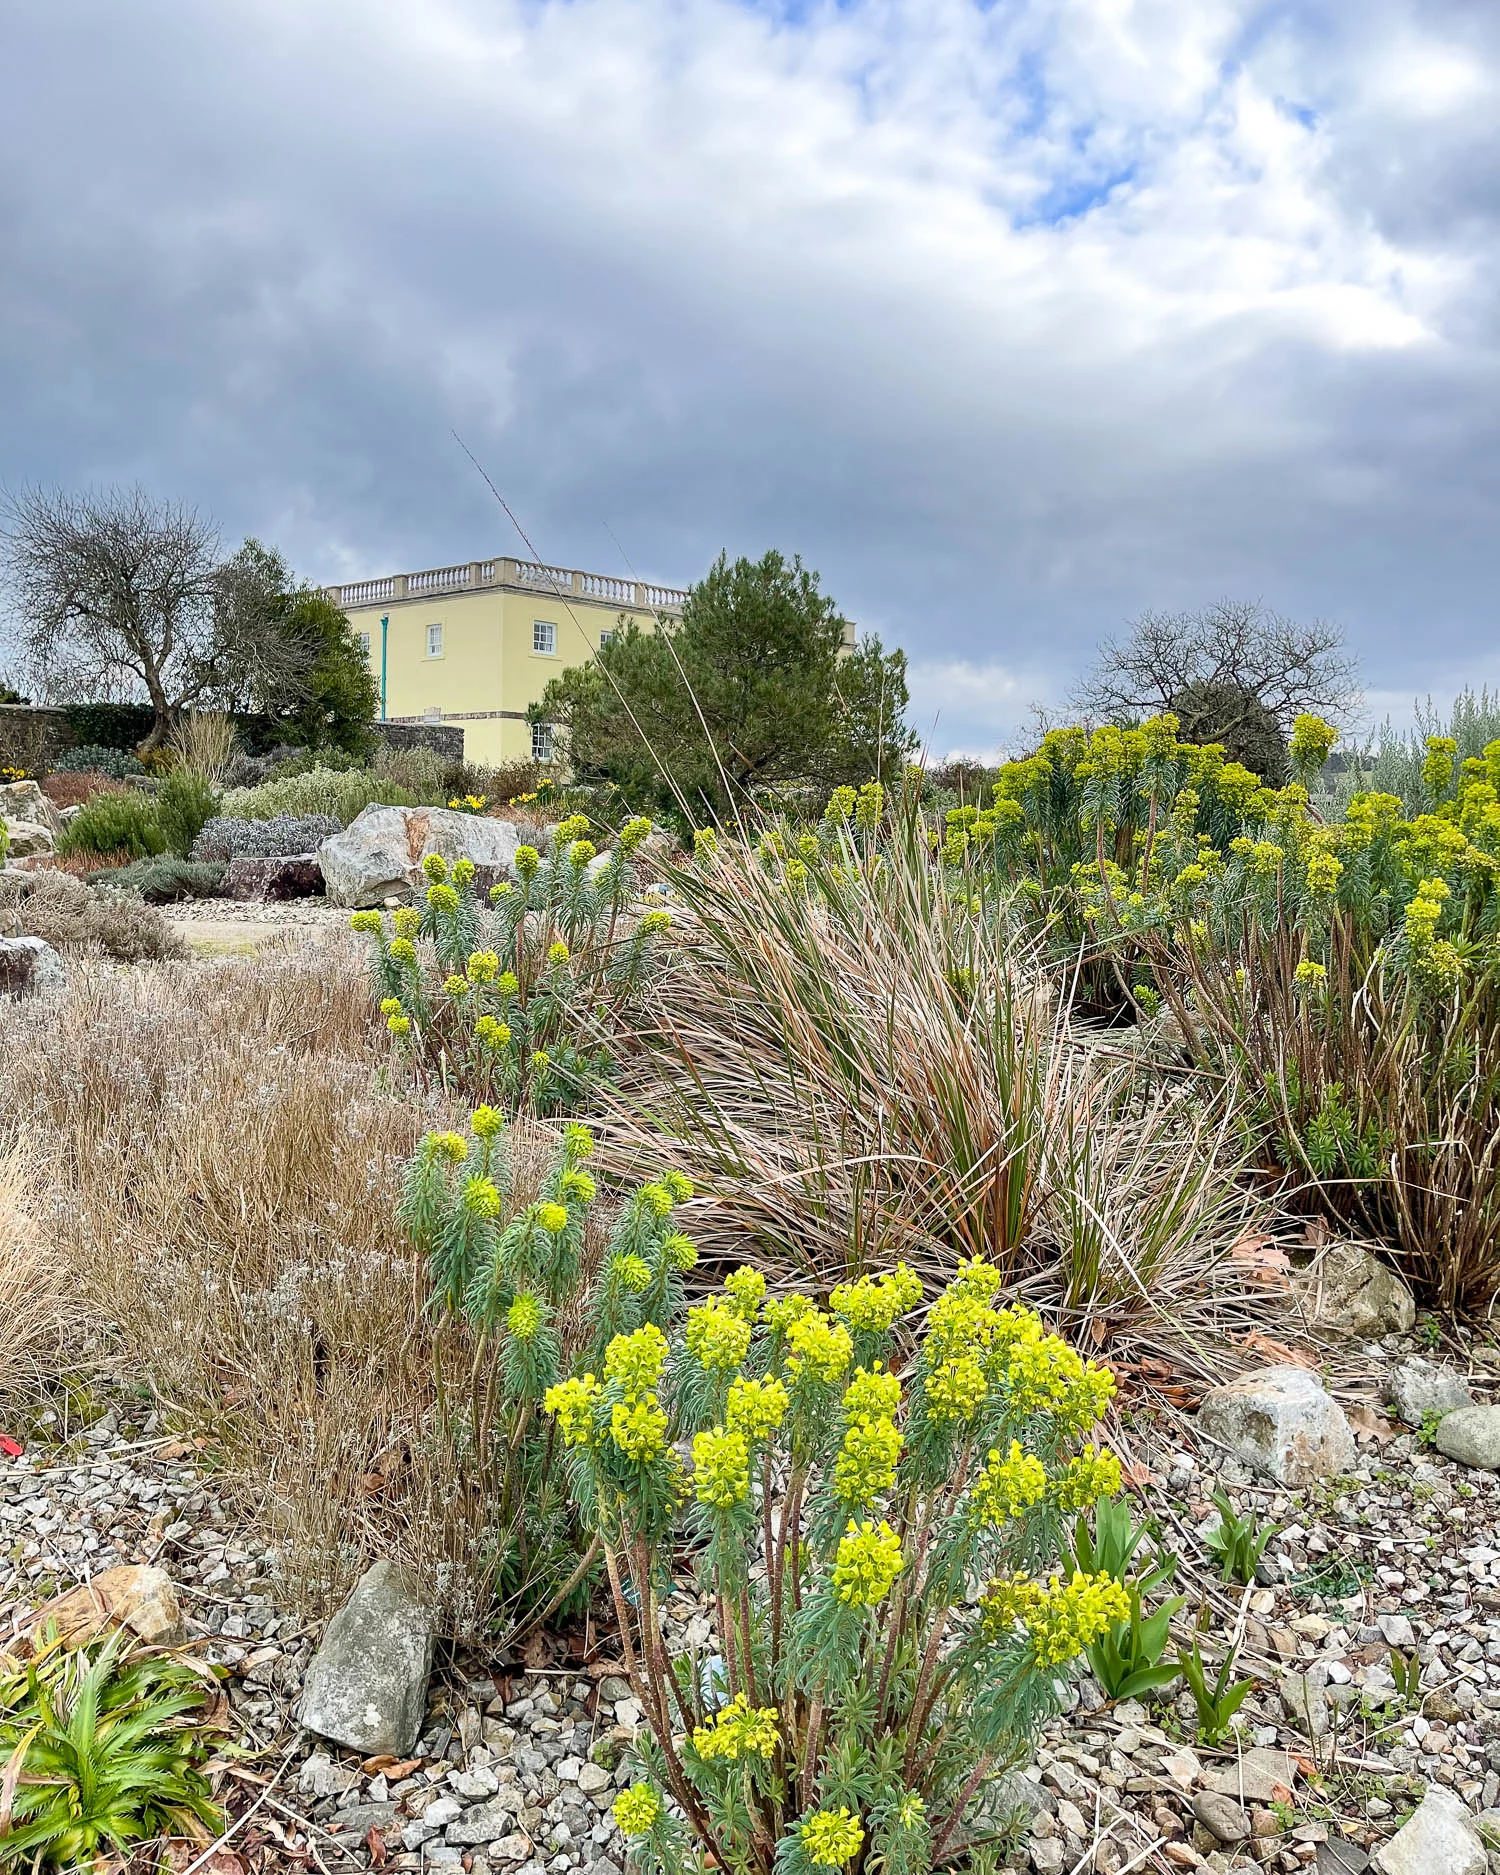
(636, 1810)
(721, 1468)
(654, 922)
(745, 1289)
(639, 1429)
(1007, 1486)
(960, 1327)
(398, 1025)
(558, 954)
(633, 1272)
(780, 1313)
(840, 806)
(655, 1198)
(571, 1403)
(634, 832)
(867, 1563)
(705, 842)
(872, 1394)
(552, 1217)
(455, 985)
(818, 1346)
(390, 1006)
(635, 1361)
(527, 860)
(1041, 1373)
(874, 1304)
(680, 1250)
(481, 1199)
(524, 1317)
(739, 1730)
(871, 807)
(407, 921)
(678, 1184)
(580, 853)
(1312, 742)
(369, 921)
(1093, 1474)
(755, 1408)
(1309, 975)
(492, 1032)
(831, 1838)
(463, 869)
(577, 1187)
(487, 1122)
(401, 950)
(866, 1462)
(442, 898)
(484, 966)
(450, 1146)
(716, 1336)
(1068, 1616)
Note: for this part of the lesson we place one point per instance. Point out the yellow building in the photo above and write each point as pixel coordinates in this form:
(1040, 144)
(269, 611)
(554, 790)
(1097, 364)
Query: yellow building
(476, 644)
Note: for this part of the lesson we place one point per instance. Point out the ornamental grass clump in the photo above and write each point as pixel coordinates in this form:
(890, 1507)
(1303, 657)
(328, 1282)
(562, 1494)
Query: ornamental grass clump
(843, 1511)
(526, 997)
(541, 1301)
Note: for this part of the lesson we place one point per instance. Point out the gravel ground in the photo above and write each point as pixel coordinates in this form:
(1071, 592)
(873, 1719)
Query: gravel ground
(516, 1769)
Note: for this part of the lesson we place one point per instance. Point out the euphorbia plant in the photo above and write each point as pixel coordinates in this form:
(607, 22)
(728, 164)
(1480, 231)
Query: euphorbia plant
(876, 1540)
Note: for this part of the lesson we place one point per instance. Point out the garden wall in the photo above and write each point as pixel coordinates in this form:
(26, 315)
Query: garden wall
(32, 736)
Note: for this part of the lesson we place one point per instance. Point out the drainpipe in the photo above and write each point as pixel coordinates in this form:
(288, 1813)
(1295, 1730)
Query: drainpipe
(385, 626)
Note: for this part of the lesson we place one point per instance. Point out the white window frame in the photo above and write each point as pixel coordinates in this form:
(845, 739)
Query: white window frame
(543, 638)
(542, 743)
(363, 639)
(607, 636)
(436, 626)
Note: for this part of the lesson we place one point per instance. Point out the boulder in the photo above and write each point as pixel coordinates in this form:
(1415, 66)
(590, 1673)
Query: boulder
(1415, 1388)
(1471, 1436)
(26, 800)
(29, 839)
(133, 1595)
(1349, 1292)
(1280, 1422)
(28, 966)
(366, 1685)
(297, 875)
(1438, 1838)
(380, 854)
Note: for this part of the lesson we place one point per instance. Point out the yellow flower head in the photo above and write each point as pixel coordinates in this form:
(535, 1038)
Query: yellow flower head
(463, 869)
(745, 1288)
(558, 953)
(721, 1468)
(573, 828)
(655, 1198)
(634, 832)
(578, 1142)
(635, 1361)
(577, 1188)
(487, 1122)
(402, 951)
(739, 1730)
(481, 1199)
(755, 1408)
(407, 920)
(1068, 1616)
(455, 985)
(831, 1838)
(717, 1336)
(571, 1403)
(1309, 975)
(390, 1006)
(484, 967)
(654, 922)
(1008, 1603)
(442, 898)
(872, 1394)
(705, 842)
(679, 1185)
(540, 1060)
(874, 1304)
(1009, 1485)
(639, 1429)
(636, 1810)
(819, 1346)
(527, 860)
(499, 890)
(866, 1463)
(784, 1310)
(398, 1025)
(451, 1146)
(524, 1317)
(866, 1563)
(552, 1217)
(366, 921)
(435, 867)
(634, 1273)
(580, 853)
(680, 1250)
(493, 1033)
(1093, 1474)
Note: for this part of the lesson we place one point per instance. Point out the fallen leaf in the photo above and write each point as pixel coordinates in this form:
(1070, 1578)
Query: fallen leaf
(372, 1482)
(1263, 1260)
(375, 1843)
(1368, 1424)
(382, 1761)
(174, 1448)
(1135, 1473)
(408, 1767)
(536, 1652)
(1279, 1351)
(1315, 1232)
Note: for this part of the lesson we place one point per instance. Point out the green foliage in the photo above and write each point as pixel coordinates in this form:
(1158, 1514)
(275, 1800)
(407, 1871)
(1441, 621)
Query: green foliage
(1127, 1661)
(95, 758)
(1406, 1671)
(163, 880)
(749, 691)
(109, 725)
(526, 997)
(1113, 1544)
(107, 1746)
(114, 823)
(1217, 1702)
(336, 696)
(342, 792)
(865, 1698)
(1237, 1542)
(539, 1298)
(186, 801)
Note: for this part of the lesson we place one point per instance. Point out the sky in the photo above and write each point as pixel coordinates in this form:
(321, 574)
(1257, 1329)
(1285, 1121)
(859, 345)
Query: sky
(1013, 318)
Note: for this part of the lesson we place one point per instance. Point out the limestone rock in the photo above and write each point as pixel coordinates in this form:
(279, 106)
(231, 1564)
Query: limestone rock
(1280, 1422)
(28, 839)
(380, 854)
(1222, 1815)
(1439, 1838)
(1260, 1776)
(1347, 1290)
(485, 1822)
(283, 876)
(133, 1596)
(28, 800)
(1471, 1436)
(1416, 1388)
(29, 965)
(366, 1685)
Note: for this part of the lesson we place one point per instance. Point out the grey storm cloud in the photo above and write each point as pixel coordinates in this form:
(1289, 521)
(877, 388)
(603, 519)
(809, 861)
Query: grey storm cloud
(1012, 319)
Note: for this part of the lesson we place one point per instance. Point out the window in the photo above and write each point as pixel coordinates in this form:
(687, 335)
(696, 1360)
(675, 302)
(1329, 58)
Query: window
(544, 639)
(434, 641)
(541, 742)
(606, 638)
(364, 642)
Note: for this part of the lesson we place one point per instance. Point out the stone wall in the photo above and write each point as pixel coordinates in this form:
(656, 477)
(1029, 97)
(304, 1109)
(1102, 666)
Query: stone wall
(32, 736)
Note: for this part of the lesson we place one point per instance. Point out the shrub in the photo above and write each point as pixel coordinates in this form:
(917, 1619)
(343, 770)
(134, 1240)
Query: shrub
(840, 1518)
(526, 1000)
(74, 917)
(342, 793)
(106, 1746)
(204, 741)
(93, 758)
(224, 837)
(421, 771)
(71, 788)
(163, 881)
(114, 823)
(188, 800)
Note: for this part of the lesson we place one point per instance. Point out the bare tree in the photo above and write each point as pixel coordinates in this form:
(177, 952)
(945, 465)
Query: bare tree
(1232, 649)
(117, 595)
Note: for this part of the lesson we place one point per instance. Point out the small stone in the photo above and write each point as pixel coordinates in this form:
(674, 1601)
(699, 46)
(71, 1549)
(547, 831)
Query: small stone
(486, 1822)
(29, 967)
(1471, 1436)
(1439, 1838)
(1261, 1776)
(1347, 1290)
(1047, 1855)
(1304, 1699)
(1280, 1422)
(1221, 1815)
(442, 1811)
(612, 1689)
(28, 839)
(1396, 1630)
(136, 1596)
(593, 1778)
(476, 1783)
(512, 1848)
(366, 1685)
(321, 1777)
(1415, 1388)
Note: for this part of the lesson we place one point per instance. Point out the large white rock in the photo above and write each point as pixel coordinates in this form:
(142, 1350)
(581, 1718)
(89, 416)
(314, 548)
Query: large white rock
(1347, 1290)
(1471, 1436)
(27, 800)
(379, 855)
(29, 965)
(29, 839)
(1280, 1422)
(1416, 1388)
(1438, 1838)
(366, 1685)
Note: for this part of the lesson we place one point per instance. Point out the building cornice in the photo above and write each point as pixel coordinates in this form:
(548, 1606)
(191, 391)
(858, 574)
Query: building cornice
(505, 575)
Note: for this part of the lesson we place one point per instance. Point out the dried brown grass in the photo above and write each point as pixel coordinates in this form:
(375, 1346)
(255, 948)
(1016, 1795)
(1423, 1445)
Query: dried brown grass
(72, 917)
(33, 1304)
(223, 1167)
